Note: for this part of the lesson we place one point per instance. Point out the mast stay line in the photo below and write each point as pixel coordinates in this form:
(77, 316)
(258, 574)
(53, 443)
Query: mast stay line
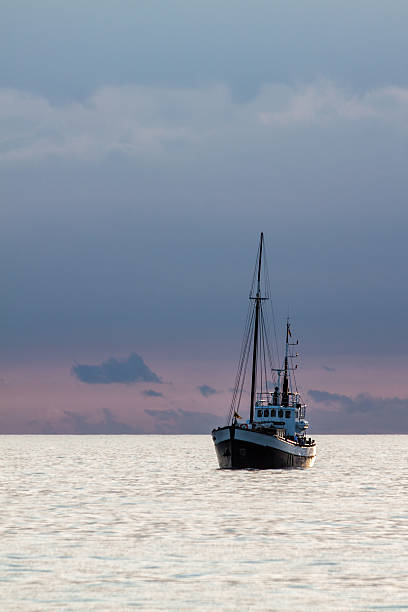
(255, 351)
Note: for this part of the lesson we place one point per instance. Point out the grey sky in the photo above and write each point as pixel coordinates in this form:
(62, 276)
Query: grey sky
(69, 49)
(146, 144)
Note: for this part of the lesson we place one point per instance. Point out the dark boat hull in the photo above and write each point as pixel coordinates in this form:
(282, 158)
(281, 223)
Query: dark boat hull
(238, 448)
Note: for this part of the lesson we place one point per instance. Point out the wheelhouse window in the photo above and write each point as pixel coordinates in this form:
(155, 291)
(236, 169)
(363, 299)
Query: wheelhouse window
(273, 412)
(259, 413)
(266, 413)
(287, 414)
(280, 414)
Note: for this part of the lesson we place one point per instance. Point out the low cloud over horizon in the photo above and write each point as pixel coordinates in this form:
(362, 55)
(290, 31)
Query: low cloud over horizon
(130, 370)
(76, 423)
(184, 421)
(328, 413)
(363, 413)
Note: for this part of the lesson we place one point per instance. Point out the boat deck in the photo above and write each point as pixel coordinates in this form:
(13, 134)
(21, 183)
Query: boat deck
(271, 431)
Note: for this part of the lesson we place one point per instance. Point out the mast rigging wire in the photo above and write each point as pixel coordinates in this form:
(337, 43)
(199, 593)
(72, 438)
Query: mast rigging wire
(266, 352)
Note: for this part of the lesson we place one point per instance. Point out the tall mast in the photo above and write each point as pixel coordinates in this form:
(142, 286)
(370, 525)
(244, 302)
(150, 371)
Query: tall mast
(255, 350)
(285, 387)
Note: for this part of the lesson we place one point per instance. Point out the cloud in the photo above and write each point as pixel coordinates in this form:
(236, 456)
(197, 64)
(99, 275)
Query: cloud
(328, 369)
(364, 402)
(206, 391)
(363, 413)
(152, 393)
(130, 370)
(184, 421)
(326, 396)
(107, 425)
(152, 121)
(76, 423)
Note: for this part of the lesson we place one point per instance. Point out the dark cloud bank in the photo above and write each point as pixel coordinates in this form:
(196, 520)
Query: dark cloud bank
(130, 370)
(337, 413)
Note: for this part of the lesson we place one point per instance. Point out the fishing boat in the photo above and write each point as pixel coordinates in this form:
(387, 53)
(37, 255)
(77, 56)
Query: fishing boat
(274, 436)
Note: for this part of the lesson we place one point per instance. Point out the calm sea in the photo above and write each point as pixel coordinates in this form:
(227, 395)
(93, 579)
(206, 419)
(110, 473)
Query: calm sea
(149, 522)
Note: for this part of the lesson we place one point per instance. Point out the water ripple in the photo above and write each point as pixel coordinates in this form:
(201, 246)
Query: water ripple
(104, 522)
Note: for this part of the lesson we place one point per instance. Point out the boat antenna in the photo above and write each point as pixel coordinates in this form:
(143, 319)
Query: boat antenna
(257, 299)
(285, 387)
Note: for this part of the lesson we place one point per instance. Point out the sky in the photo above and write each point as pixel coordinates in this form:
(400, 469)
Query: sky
(144, 147)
